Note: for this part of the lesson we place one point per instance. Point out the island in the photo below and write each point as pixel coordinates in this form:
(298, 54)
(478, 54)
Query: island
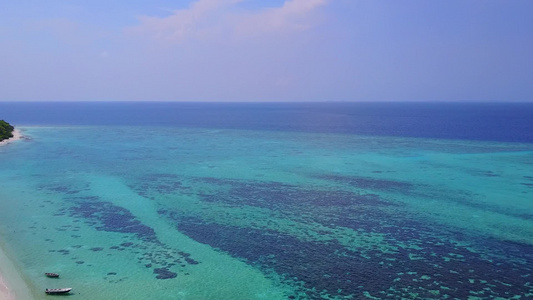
(6, 130)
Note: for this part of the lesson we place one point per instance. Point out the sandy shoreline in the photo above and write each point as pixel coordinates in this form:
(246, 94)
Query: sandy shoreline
(12, 286)
(17, 135)
(5, 291)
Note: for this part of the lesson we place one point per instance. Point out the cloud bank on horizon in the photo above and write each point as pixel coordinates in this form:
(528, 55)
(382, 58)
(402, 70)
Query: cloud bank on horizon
(279, 50)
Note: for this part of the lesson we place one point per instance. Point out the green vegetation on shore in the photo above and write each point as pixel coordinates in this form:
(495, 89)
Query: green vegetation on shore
(6, 130)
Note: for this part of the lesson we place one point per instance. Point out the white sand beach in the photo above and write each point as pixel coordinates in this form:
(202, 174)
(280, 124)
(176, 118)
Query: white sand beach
(5, 292)
(17, 135)
(12, 286)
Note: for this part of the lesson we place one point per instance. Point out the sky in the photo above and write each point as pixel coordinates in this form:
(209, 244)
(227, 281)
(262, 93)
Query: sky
(258, 51)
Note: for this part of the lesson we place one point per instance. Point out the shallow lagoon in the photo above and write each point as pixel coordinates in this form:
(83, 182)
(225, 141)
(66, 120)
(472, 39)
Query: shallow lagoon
(173, 213)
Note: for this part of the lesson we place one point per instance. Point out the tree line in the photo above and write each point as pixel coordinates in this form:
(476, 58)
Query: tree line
(6, 130)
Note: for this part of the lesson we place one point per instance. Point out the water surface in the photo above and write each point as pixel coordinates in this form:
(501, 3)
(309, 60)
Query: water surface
(297, 206)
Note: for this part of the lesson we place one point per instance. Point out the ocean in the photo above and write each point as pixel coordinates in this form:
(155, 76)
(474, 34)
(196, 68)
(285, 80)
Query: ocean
(270, 200)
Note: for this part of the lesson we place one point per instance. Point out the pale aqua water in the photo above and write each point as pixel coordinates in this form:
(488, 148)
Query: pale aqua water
(249, 214)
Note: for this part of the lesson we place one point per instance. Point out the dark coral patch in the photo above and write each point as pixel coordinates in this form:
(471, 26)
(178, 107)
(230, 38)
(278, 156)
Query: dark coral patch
(275, 195)
(191, 261)
(64, 251)
(164, 273)
(58, 188)
(371, 183)
(490, 174)
(318, 268)
(105, 216)
(459, 197)
(158, 183)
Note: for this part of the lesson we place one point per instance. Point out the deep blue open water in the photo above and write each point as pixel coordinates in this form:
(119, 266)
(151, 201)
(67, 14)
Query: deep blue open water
(470, 121)
(271, 201)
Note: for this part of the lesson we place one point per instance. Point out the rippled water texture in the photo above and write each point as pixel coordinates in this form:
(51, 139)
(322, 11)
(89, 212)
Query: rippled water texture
(126, 212)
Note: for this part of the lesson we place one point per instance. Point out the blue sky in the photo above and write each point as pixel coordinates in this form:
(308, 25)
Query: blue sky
(252, 50)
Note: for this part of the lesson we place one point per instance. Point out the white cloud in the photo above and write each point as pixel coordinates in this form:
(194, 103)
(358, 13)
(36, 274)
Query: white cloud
(293, 16)
(209, 19)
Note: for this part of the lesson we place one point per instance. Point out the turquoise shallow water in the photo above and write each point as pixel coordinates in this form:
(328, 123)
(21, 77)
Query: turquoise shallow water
(126, 212)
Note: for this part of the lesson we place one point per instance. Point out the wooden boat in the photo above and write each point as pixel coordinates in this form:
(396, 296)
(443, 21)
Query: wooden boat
(57, 291)
(53, 275)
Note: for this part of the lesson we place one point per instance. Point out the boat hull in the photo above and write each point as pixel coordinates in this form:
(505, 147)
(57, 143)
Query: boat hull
(57, 291)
